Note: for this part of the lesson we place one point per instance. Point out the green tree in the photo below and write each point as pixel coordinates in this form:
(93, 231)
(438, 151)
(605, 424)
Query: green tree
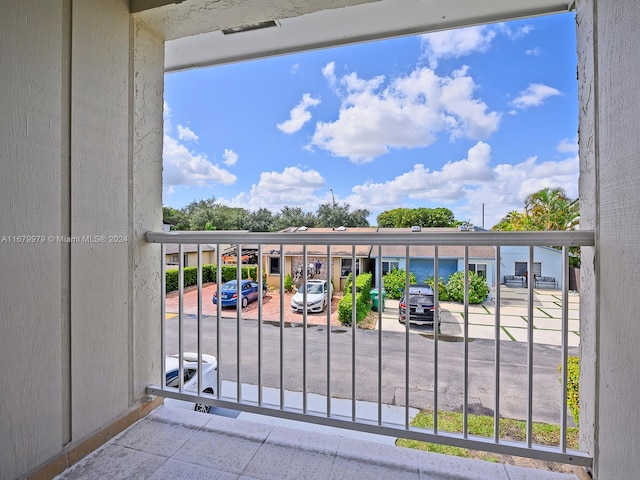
(336, 215)
(293, 217)
(546, 209)
(176, 218)
(423, 217)
(259, 221)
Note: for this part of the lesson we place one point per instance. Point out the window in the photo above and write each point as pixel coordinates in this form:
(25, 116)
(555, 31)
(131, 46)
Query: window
(479, 268)
(345, 266)
(521, 267)
(173, 259)
(274, 265)
(172, 377)
(389, 267)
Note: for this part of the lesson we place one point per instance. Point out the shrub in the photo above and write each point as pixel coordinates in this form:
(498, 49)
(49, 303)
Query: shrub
(363, 300)
(478, 288)
(209, 272)
(443, 295)
(288, 283)
(394, 282)
(573, 384)
(189, 275)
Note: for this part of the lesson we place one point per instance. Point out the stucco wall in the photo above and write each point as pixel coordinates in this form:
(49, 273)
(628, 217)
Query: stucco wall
(609, 76)
(32, 196)
(80, 155)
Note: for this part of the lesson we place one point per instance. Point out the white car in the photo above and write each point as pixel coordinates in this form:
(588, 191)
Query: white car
(318, 296)
(190, 375)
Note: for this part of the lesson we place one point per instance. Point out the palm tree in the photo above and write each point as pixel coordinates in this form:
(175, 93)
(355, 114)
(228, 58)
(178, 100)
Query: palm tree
(552, 209)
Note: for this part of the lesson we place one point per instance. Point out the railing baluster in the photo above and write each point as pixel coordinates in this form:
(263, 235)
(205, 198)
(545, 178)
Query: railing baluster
(354, 274)
(330, 286)
(282, 266)
(163, 315)
(380, 305)
(436, 332)
(498, 332)
(260, 302)
(530, 284)
(218, 319)
(180, 316)
(407, 325)
(565, 347)
(199, 327)
(238, 320)
(305, 273)
(465, 389)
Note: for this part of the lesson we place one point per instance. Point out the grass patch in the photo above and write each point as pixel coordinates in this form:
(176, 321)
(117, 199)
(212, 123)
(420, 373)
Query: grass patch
(482, 425)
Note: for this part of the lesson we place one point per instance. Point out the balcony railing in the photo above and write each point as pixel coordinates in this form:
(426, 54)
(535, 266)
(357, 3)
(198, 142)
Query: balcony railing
(255, 360)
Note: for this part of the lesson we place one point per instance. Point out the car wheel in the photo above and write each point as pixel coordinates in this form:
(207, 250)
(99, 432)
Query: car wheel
(203, 408)
(245, 302)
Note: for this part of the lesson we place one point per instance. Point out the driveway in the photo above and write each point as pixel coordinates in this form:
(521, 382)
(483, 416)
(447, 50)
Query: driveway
(547, 315)
(547, 318)
(270, 307)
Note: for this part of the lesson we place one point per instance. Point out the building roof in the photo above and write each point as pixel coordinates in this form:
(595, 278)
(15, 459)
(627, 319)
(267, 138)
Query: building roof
(337, 250)
(172, 248)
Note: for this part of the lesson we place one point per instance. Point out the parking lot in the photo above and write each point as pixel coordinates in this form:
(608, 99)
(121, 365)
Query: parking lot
(547, 315)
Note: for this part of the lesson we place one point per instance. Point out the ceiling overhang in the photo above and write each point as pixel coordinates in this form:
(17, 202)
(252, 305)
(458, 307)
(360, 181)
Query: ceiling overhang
(203, 33)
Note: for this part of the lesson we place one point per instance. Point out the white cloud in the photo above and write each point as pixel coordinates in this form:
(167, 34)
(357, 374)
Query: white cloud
(295, 68)
(183, 167)
(465, 185)
(534, 52)
(534, 96)
(185, 133)
(567, 146)
(408, 113)
(292, 187)
(229, 157)
(517, 33)
(457, 43)
(299, 115)
(329, 72)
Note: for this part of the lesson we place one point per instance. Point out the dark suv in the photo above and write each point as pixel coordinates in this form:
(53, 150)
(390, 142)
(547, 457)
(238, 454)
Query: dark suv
(421, 305)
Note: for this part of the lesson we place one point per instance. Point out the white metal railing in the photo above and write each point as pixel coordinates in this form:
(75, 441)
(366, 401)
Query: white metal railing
(278, 371)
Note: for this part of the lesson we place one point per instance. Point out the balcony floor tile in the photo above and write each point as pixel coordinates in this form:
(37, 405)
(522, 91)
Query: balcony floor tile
(216, 447)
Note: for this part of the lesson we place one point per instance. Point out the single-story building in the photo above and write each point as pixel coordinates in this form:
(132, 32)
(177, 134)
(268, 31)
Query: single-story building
(189, 255)
(547, 263)
(316, 264)
(422, 259)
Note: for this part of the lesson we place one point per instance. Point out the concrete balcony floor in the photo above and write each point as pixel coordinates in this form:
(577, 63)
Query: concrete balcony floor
(175, 444)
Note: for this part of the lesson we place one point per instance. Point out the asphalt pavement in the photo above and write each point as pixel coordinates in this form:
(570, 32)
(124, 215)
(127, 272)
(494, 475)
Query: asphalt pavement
(315, 345)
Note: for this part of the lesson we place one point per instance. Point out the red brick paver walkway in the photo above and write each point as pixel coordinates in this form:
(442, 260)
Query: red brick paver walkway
(270, 307)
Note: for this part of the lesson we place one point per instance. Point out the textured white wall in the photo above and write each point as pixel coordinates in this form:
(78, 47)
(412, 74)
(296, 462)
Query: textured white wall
(80, 155)
(610, 203)
(31, 203)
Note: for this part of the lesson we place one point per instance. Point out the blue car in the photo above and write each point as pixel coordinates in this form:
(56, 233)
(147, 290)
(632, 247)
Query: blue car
(229, 293)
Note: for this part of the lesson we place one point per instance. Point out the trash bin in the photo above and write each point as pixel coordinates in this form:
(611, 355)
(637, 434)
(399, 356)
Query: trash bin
(378, 300)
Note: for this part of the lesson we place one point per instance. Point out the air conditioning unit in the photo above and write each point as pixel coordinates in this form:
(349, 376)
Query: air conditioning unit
(416, 228)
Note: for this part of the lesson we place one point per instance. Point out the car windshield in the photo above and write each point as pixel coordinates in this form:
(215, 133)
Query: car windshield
(312, 288)
(421, 299)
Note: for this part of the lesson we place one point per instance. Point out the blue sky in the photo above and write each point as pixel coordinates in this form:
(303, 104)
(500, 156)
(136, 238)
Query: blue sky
(456, 119)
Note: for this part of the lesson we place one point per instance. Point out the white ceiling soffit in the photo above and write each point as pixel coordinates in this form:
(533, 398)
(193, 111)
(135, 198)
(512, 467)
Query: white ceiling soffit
(195, 38)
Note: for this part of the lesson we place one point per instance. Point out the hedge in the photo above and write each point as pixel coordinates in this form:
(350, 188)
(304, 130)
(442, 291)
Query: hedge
(209, 273)
(573, 387)
(363, 300)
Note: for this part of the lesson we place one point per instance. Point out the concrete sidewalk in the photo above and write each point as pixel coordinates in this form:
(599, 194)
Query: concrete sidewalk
(547, 318)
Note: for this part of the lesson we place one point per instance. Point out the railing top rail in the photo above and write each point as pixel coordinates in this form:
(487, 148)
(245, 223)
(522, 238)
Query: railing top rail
(585, 238)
